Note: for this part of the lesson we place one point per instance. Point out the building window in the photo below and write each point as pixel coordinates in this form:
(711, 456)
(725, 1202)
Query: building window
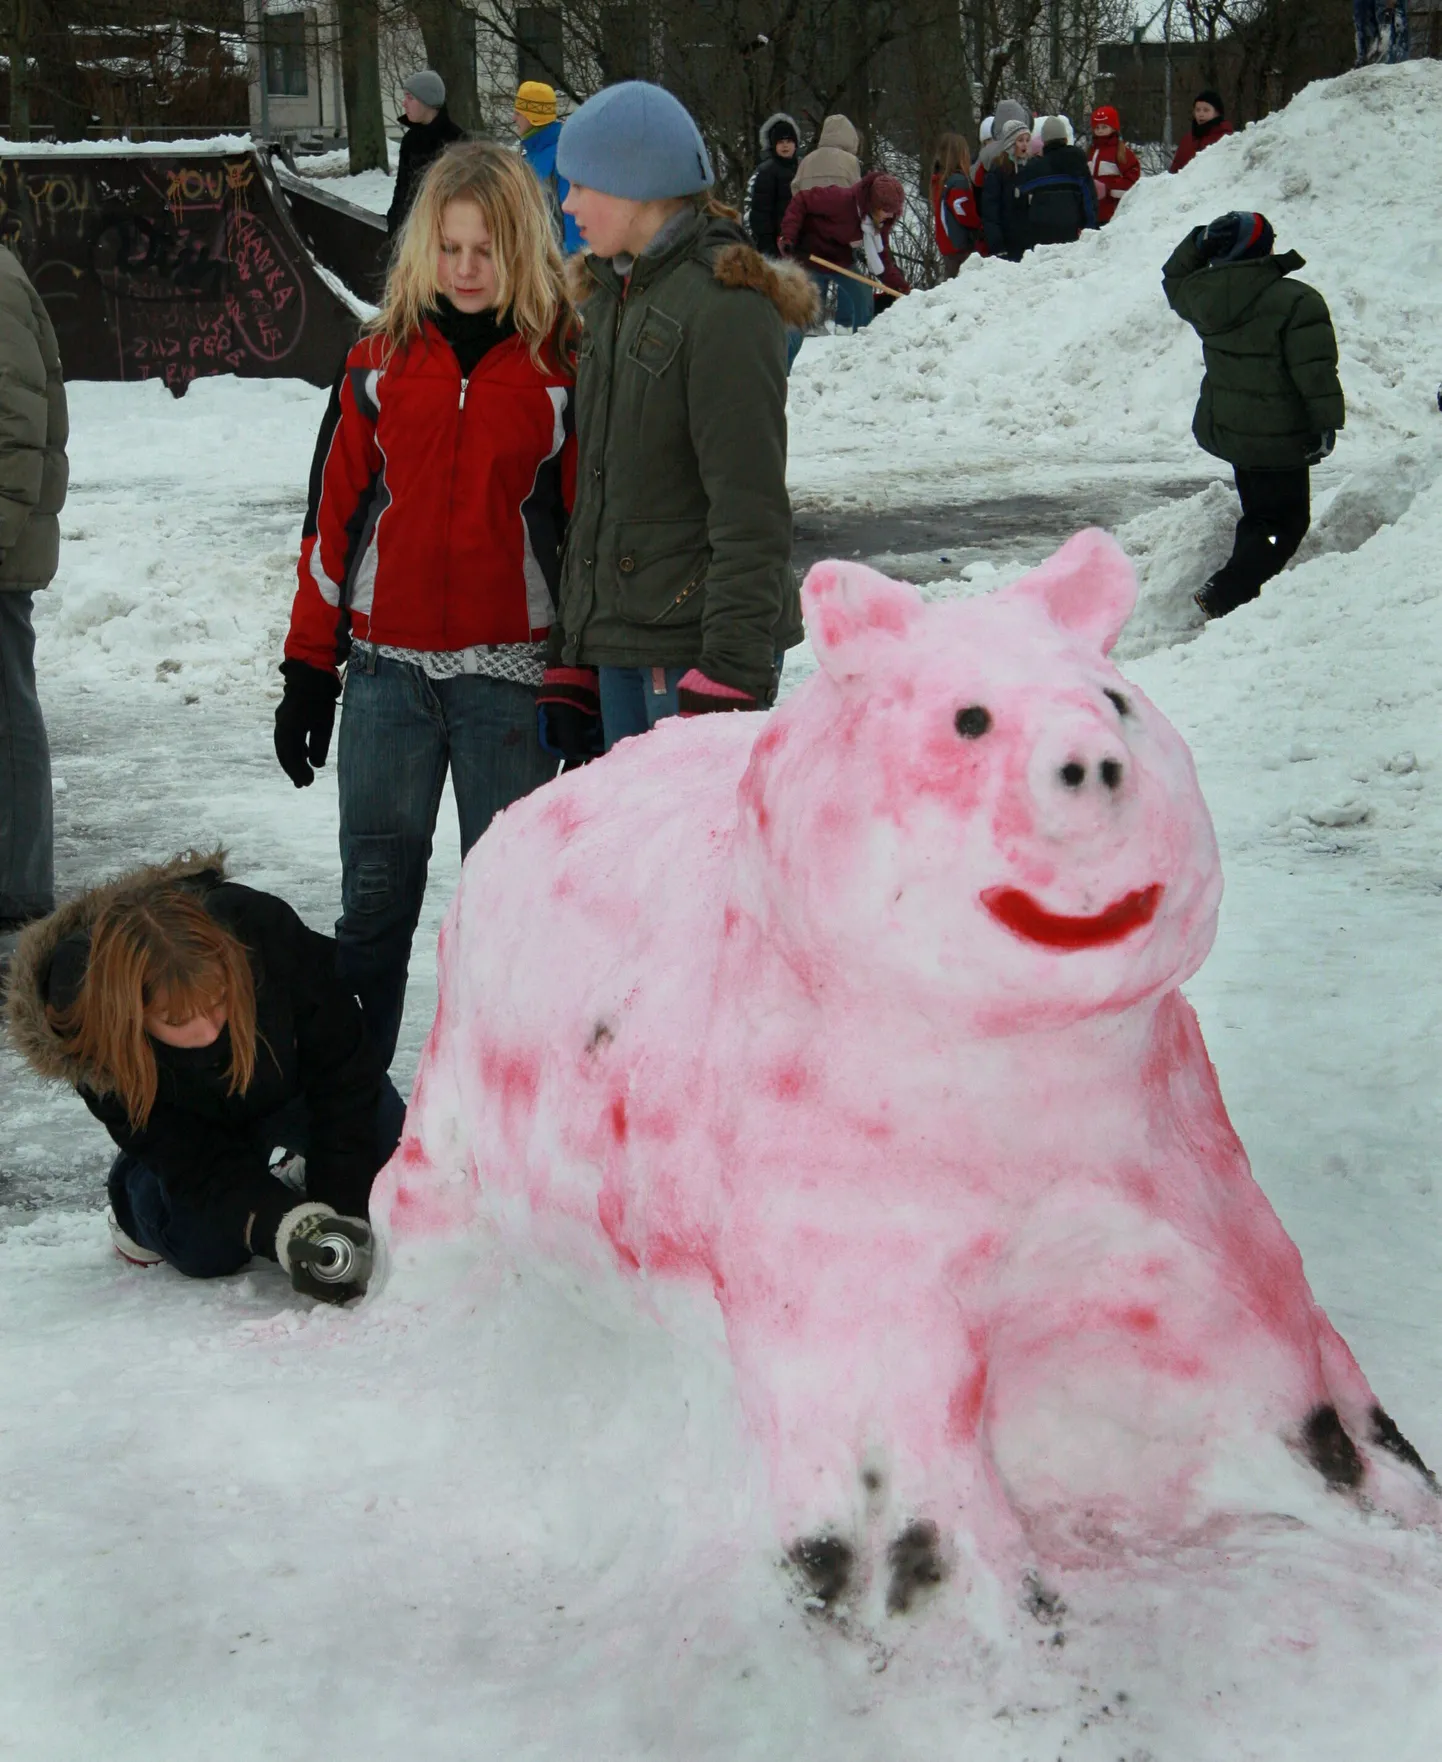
(538, 45)
(285, 58)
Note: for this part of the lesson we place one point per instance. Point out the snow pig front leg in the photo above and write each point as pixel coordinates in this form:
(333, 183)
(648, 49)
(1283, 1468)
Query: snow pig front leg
(864, 1382)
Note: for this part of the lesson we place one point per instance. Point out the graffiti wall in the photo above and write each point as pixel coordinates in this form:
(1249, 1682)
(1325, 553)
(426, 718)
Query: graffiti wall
(161, 265)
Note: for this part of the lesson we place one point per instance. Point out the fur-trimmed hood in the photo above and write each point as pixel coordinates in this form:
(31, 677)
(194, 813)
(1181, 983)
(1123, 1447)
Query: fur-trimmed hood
(763, 134)
(735, 264)
(30, 968)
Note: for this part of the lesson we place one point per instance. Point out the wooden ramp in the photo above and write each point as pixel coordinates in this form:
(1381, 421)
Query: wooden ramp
(170, 263)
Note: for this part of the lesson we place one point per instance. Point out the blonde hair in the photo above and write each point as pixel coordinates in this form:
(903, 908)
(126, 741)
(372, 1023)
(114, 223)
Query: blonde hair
(157, 947)
(530, 272)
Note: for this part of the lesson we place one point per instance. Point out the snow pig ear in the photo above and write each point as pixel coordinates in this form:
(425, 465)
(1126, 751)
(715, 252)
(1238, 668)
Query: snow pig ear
(849, 609)
(1088, 586)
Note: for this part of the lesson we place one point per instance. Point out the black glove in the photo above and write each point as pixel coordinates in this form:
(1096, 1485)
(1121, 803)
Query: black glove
(327, 1256)
(1325, 443)
(304, 718)
(568, 715)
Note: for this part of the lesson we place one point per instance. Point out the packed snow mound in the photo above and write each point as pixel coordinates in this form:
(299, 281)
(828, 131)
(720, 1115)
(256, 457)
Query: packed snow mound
(884, 986)
(1073, 354)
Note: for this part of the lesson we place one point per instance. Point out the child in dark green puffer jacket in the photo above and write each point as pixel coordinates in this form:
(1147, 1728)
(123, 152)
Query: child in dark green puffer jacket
(1271, 402)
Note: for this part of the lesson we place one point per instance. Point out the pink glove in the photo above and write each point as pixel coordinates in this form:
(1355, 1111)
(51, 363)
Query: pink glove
(696, 695)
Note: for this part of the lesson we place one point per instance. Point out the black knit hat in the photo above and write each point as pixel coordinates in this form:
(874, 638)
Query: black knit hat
(783, 129)
(1212, 98)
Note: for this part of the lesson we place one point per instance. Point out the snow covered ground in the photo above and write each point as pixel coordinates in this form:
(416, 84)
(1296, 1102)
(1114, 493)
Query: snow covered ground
(514, 1517)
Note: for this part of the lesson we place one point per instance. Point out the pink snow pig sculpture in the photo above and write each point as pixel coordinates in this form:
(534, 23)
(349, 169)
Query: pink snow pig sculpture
(864, 1016)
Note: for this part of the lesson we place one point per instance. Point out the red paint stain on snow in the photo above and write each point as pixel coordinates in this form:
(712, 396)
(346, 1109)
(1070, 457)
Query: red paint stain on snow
(611, 1213)
(683, 1257)
(516, 1076)
(790, 1081)
(563, 815)
(618, 1119)
(963, 1410)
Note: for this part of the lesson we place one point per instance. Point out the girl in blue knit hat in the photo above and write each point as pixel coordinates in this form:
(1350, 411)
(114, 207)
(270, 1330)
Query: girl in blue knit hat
(677, 594)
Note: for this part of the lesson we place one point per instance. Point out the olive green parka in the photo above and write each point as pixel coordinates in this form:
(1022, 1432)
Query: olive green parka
(34, 427)
(1271, 388)
(679, 547)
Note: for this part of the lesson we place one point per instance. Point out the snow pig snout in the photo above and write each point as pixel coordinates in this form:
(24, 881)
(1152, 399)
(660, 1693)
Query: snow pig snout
(1081, 775)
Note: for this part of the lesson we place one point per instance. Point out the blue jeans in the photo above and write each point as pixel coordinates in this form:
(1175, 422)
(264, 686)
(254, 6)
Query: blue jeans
(631, 701)
(855, 302)
(27, 828)
(1382, 30)
(399, 734)
(196, 1241)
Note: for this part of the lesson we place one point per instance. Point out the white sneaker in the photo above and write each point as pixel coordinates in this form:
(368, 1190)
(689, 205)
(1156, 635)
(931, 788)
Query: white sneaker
(128, 1250)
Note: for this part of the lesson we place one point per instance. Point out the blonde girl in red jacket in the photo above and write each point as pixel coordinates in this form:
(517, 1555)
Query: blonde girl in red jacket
(442, 479)
(1114, 167)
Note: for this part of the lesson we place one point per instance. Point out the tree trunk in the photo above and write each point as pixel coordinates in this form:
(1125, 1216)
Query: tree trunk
(18, 49)
(360, 72)
(939, 75)
(448, 30)
(67, 102)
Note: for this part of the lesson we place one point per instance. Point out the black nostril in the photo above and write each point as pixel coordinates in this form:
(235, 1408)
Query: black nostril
(1111, 773)
(1073, 775)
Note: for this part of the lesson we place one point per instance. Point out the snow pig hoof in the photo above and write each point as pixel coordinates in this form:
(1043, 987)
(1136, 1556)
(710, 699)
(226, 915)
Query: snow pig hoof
(1329, 1450)
(1386, 1436)
(824, 1563)
(916, 1565)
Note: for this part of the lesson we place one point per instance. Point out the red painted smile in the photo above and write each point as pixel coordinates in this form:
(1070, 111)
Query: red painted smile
(1033, 923)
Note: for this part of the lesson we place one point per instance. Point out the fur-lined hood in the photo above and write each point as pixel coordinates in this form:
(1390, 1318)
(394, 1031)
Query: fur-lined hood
(763, 134)
(30, 1032)
(734, 264)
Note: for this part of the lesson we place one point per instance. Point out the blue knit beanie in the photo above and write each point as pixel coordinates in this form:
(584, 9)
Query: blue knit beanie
(634, 140)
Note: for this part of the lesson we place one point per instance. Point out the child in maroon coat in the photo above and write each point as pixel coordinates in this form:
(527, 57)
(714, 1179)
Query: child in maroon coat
(823, 227)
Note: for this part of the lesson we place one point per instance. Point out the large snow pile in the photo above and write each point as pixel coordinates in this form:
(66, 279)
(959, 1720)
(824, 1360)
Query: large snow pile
(1073, 355)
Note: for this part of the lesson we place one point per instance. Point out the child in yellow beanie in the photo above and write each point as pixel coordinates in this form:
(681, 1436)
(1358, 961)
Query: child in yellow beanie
(534, 120)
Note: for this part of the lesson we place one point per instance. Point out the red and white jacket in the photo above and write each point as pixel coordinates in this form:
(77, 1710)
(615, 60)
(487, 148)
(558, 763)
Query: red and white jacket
(437, 504)
(1116, 168)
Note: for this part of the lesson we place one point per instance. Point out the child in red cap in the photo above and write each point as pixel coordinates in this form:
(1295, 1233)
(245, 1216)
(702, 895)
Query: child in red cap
(1114, 167)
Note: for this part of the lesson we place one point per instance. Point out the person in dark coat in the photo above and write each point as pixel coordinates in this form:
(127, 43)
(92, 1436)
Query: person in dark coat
(1055, 193)
(204, 1026)
(1209, 125)
(429, 131)
(1271, 402)
(34, 429)
(1000, 210)
(771, 186)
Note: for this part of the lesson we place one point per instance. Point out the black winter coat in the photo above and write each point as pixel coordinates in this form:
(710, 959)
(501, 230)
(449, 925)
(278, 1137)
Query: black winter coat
(1056, 197)
(1001, 212)
(201, 1140)
(770, 197)
(420, 144)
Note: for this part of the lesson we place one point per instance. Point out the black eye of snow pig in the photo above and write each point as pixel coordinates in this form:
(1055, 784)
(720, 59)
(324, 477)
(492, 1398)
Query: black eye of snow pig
(1123, 707)
(972, 722)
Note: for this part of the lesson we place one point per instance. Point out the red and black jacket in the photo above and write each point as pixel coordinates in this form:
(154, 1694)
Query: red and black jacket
(1116, 168)
(438, 501)
(956, 219)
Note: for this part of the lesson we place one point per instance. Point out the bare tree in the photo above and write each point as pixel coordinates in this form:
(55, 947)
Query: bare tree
(360, 73)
